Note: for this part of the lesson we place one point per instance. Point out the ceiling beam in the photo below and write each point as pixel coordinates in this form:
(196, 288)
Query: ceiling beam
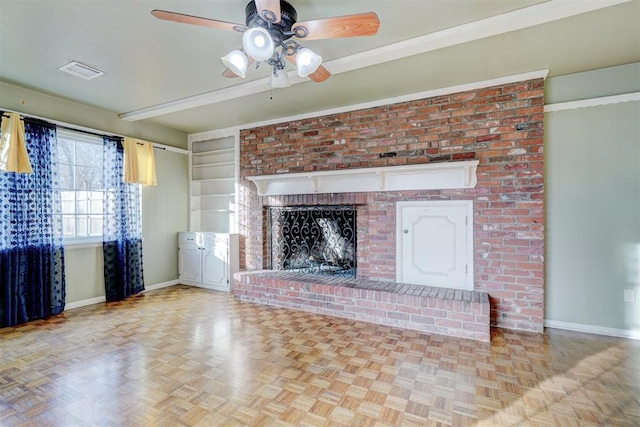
(538, 14)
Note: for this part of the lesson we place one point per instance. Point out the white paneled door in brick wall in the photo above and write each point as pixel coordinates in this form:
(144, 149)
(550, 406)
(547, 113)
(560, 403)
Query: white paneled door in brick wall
(435, 243)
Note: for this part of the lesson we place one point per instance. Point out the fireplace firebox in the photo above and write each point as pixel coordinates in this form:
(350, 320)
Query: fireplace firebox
(318, 240)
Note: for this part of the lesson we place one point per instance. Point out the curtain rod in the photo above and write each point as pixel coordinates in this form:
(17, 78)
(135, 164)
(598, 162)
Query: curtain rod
(91, 131)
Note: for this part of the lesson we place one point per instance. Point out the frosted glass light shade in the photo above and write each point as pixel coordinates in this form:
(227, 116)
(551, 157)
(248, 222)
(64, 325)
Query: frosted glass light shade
(307, 62)
(257, 43)
(237, 62)
(280, 79)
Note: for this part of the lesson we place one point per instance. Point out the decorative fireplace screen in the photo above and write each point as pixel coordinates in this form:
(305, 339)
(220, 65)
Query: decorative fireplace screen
(314, 239)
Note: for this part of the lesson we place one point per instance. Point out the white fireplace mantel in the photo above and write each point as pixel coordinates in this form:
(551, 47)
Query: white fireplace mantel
(427, 176)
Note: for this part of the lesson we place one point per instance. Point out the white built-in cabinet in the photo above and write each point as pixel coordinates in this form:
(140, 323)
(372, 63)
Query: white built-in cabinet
(208, 260)
(208, 253)
(213, 179)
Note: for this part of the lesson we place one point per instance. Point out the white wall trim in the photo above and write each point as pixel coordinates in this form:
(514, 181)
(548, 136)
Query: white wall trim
(593, 329)
(84, 302)
(514, 20)
(98, 300)
(72, 245)
(162, 285)
(98, 131)
(219, 133)
(592, 102)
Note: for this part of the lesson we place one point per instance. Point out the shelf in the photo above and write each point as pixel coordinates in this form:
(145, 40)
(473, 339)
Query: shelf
(220, 151)
(217, 195)
(213, 187)
(214, 179)
(428, 176)
(208, 165)
(213, 145)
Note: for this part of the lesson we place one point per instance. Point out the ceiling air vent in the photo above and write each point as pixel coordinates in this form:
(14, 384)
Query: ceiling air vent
(81, 70)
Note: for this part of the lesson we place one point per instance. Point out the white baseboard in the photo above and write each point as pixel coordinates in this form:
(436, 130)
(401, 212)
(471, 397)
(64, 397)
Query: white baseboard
(200, 285)
(162, 285)
(98, 300)
(593, 329)
(84, 302)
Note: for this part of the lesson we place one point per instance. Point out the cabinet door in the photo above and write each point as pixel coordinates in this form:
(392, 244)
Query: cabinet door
(215, 263)
(435, 242)
(189, 263)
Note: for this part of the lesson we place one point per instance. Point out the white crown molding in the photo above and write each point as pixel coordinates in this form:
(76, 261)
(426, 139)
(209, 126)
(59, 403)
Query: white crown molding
(592, 102)
(215, 134)
(593, 329)
(527, 17)
(500, 24)
(427, 176)
(220, 133)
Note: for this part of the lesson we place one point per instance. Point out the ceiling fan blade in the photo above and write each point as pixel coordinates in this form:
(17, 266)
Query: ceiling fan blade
(270, 7)
(319, 75)
(230, 74)
(197, 20)
(360, 24)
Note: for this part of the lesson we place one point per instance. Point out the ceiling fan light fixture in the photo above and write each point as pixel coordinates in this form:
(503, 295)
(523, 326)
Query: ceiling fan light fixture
(267, 32)
(307, 62)
(257, 42)
(237, 62)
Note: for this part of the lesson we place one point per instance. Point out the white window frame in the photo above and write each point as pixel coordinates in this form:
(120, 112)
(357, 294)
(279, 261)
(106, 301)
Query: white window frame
(79, 136)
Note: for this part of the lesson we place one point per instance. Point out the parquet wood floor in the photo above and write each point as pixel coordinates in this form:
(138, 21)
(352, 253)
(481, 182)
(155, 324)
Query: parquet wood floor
(185, 356)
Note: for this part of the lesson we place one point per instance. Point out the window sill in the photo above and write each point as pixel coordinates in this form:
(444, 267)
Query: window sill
(82, 244)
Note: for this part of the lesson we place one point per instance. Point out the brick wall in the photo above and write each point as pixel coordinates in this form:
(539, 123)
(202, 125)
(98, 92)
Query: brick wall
(500, 126)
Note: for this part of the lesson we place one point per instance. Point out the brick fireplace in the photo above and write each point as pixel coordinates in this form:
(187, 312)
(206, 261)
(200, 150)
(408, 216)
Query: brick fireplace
(499, 126)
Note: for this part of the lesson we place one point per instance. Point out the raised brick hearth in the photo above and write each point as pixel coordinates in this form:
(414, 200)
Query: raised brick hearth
(456, 313)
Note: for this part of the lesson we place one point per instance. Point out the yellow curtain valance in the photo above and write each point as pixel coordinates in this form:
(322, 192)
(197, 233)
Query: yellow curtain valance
(13, 150)
(139, 162)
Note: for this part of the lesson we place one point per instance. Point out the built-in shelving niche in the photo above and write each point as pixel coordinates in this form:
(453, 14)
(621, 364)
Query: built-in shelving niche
(213, 185)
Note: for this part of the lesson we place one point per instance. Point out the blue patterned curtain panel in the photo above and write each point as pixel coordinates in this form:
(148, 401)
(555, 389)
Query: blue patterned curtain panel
(32, 284)
(122, 243)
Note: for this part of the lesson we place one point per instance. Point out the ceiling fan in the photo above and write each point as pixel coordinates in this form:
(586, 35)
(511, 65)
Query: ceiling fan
(271, 33)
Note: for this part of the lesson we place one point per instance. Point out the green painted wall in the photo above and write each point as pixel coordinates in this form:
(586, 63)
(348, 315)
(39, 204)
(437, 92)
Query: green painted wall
(592, 183)
(164, 214)
(16, 98)
(164, 207)
(593, 84)
(592, 160)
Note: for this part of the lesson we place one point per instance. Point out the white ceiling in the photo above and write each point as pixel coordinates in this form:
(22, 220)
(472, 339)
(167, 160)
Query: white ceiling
(169, 73)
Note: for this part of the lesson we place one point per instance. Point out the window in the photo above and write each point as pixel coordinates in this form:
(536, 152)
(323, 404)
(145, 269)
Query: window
(81, 185)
